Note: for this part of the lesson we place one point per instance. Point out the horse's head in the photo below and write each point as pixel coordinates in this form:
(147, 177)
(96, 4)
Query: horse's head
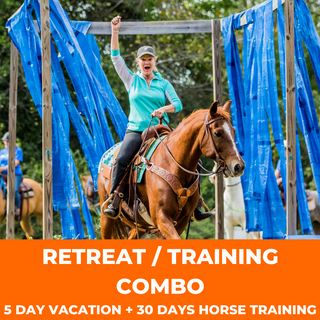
(218, 142)
(90, 194)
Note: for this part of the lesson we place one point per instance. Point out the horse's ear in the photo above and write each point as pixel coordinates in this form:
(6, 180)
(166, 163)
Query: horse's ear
(214, 108)
(227, 106)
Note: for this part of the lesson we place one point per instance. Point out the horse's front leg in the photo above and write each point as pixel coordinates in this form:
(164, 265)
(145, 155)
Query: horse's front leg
(229, 228)
(187, 212)
(165, 224)
(183, 224)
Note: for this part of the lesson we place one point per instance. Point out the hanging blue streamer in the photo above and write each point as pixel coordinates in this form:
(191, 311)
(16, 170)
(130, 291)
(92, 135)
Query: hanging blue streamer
(262, 198)
(85, 208)
(261, 194)
(306, 226)
(94, 97)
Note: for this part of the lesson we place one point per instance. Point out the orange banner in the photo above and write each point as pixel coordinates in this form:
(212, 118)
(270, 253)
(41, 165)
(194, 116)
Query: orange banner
(156, 279)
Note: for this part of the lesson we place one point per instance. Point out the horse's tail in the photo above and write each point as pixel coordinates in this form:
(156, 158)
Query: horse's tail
(119, 230)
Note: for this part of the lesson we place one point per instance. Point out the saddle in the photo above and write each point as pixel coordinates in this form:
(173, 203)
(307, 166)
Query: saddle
(151, 133)
(149, 137)
(310, 198)
(25, 190)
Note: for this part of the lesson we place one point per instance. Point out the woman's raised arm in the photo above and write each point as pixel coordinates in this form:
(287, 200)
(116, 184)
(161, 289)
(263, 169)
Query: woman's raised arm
(115, 26)
(124, 73)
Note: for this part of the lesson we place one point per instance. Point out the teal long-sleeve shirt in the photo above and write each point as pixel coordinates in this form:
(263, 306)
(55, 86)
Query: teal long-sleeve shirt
(143, 99)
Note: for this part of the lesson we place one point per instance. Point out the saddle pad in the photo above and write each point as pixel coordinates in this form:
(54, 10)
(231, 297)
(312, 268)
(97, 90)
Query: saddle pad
(142, 168)
(107, 157)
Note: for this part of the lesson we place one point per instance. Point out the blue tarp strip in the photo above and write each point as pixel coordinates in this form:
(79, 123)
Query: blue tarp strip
(94, 97)
(306, 226)
(262, 199)
(255, 103)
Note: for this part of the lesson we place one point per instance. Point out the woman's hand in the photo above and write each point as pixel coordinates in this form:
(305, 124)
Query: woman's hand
(158, 113)
(116, 23)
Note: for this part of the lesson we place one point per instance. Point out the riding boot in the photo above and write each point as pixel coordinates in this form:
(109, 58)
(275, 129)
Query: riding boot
(114, 208)
(199, 215)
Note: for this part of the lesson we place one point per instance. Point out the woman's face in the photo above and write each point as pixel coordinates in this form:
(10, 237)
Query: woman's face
(146, 64)
(6, 143)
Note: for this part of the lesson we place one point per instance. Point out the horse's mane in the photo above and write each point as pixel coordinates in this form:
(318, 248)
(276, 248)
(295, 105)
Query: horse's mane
(199, 113)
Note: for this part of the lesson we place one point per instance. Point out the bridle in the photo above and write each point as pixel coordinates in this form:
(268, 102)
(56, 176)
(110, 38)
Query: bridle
(221, 163)
(207, 130)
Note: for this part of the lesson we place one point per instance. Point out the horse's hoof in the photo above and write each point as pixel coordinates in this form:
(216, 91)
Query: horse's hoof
(111, 213)
(198, 215)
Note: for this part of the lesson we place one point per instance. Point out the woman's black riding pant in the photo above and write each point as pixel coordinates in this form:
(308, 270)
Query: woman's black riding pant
(130, 146)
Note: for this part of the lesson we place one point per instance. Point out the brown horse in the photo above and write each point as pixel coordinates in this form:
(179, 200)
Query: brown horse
(34, 206)
(206, 132)
(91, 195)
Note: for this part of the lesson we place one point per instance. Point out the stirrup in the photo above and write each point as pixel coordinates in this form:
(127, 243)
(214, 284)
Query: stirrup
(110, 207)
(107, 201)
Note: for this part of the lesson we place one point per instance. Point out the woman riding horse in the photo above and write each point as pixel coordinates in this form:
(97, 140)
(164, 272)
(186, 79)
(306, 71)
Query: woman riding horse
(4, 156)
(147, 96)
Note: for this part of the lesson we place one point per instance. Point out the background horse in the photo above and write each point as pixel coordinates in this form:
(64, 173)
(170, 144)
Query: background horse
(206, 132)
(33, 207)
(233, 205)
(91, 195)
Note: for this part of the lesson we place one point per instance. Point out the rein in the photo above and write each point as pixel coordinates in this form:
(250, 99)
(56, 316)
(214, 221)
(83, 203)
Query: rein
(232, 208)
(221, 163)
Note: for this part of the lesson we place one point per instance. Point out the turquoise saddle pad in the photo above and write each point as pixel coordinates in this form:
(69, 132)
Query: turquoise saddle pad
(107, 157)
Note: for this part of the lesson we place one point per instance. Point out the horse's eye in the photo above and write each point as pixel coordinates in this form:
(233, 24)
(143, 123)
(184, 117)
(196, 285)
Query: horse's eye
(217, 134)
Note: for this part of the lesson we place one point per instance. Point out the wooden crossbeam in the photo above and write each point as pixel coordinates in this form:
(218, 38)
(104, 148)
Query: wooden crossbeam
(153, 27)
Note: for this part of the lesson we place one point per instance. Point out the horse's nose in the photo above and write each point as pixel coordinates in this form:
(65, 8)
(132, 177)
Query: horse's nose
(237, 168)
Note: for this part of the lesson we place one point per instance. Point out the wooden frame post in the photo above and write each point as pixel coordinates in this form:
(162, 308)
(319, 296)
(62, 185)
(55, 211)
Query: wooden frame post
(290, 120)
(46, 121)
(217, 95)
(12, 139)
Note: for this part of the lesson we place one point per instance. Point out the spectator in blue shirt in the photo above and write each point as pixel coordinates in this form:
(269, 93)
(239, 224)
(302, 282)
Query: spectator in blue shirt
(4, 156)
(277, 172)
